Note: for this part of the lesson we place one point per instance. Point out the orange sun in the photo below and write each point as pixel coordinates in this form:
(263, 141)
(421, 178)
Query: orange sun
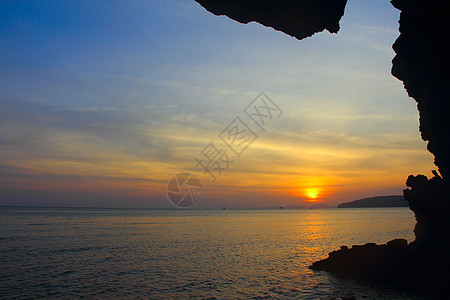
(312, 195)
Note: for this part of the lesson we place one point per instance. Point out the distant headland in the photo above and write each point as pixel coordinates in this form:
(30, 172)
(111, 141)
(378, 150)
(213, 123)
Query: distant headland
(378, 201)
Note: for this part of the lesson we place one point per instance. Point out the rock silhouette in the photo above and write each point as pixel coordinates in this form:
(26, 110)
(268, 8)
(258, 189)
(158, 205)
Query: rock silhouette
(429, 201)
(421, 265)
(422, 63)
(299, 19)
(354, 261)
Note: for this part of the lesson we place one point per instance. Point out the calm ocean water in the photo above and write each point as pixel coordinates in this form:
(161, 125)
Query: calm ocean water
(169, 254)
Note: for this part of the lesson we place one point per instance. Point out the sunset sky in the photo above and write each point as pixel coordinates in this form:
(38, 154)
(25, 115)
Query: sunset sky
(102, 102)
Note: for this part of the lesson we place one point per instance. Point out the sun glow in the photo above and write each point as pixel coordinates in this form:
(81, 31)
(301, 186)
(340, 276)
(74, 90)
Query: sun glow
(312, 195)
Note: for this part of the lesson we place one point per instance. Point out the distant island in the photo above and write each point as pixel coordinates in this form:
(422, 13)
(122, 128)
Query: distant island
(379, 201)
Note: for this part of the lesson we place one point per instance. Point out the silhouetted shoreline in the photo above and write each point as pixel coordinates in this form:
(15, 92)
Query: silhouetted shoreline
(419, 266)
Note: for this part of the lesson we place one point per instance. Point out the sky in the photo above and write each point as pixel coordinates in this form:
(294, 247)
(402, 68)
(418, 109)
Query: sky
(103, 102)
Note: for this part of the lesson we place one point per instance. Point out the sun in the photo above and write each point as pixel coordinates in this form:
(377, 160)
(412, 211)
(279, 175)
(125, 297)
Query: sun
(312, 195)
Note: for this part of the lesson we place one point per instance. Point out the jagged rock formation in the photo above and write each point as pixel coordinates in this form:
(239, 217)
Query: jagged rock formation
(354, 262)
(430, 202)
(421, 265)
(422, 62)
(299, 19)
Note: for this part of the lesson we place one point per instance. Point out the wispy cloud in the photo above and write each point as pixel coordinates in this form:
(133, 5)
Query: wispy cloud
(111, 111)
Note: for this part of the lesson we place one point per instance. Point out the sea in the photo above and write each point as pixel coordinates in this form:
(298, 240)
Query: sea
(90, 253)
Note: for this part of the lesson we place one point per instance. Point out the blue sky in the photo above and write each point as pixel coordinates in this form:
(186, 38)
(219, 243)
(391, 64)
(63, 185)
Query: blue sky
(101, 102)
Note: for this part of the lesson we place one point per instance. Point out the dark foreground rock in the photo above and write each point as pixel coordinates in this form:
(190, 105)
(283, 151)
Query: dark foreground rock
(369, 262)
(422, 62)
(396, 265)
(299, 19)
(422, 265)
